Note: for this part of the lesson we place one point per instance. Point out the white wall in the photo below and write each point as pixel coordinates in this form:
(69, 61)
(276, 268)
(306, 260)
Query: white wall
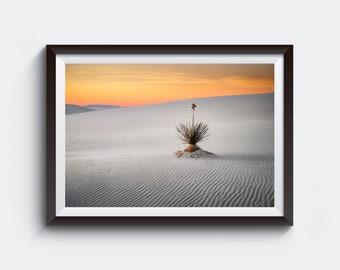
(27, 26)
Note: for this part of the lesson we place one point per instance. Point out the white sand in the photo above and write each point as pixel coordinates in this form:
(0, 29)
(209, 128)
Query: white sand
(125, 157)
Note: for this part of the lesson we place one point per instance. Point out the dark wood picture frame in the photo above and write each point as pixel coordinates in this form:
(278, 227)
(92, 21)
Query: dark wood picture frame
(52, 51)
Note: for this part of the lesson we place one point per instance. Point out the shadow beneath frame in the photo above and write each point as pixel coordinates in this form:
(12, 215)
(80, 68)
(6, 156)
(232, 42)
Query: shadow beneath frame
(164, 226)
(40, 69)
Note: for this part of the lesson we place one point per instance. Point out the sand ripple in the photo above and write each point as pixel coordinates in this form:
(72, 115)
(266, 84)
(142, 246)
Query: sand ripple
(218, 181)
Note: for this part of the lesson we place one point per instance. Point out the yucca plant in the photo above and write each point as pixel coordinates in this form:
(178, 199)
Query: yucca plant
(192, 133)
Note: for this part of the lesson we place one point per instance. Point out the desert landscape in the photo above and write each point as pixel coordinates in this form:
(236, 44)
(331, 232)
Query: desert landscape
(126, 157)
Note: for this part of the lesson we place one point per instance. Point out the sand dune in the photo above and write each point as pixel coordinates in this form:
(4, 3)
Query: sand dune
(125, 157)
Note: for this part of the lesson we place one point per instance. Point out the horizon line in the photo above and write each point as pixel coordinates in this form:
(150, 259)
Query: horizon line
(117, 105)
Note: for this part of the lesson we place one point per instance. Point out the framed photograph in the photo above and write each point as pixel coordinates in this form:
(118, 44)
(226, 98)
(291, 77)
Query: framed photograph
(169, 134)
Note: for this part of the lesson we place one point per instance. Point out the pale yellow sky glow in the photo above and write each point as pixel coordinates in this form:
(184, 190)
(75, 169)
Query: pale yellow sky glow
(141, 84)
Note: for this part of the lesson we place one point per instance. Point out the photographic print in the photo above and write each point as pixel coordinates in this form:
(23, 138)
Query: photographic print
(169, 135)
(170, 131)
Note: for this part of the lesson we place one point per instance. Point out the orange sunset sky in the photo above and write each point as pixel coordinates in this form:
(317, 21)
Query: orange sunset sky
(141, 84)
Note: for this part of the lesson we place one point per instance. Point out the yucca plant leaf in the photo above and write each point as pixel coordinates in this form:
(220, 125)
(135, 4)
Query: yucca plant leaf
(192, 133)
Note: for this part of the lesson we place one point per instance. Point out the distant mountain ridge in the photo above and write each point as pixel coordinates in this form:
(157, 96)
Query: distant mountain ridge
(98, 107)
(73, 109)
